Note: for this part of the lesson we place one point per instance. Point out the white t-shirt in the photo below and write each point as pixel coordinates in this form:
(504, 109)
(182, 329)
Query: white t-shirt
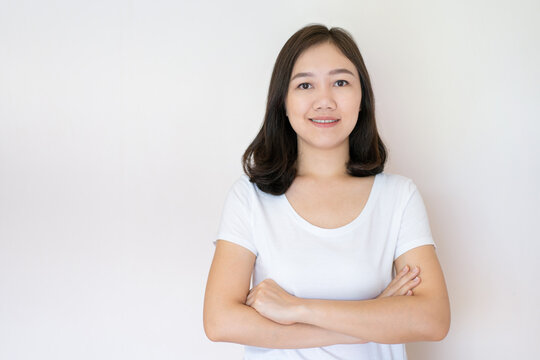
(352, 262)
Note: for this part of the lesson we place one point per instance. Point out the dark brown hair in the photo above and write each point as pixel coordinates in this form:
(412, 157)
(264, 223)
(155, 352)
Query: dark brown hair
(270, 160)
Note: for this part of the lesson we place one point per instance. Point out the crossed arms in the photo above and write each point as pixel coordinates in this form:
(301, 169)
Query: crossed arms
(267, 316)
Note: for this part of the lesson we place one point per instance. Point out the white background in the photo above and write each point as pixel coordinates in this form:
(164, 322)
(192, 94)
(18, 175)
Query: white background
(122, 124)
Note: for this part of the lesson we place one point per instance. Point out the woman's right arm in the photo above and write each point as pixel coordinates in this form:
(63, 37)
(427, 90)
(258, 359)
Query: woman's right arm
(226, 317)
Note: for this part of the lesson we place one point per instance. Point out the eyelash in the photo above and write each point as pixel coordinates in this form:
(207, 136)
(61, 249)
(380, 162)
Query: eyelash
(299, 85)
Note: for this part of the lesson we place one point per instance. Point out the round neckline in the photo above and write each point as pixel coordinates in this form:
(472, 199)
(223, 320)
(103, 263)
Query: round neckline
(342, 229)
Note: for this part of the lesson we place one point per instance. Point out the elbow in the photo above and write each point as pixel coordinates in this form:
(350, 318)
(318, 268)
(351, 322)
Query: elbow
(211, 326)
(211, 333)
(219, 322)
(439, 332)
(439, 328)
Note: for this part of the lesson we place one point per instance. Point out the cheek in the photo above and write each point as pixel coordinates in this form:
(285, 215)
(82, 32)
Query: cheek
(297, 103)
(351, 101)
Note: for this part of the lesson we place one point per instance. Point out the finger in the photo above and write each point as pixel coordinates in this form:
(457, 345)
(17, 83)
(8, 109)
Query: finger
(392, 286)
(405, 279)
(397, 282)
(409, 293)
(409, 285)
(402, 273)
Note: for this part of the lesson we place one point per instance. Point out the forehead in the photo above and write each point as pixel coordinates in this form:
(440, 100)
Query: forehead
(322, 58)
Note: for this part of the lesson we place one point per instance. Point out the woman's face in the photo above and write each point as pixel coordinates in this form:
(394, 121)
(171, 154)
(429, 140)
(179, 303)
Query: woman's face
(324, 85)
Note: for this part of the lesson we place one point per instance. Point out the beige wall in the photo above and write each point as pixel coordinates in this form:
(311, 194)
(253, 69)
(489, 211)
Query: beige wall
(121, 129)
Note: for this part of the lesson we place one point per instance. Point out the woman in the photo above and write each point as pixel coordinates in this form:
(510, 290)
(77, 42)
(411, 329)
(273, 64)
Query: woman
(320, 226)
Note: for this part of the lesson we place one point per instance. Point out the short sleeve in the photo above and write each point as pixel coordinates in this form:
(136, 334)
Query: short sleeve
(414, 229)
(235, 224)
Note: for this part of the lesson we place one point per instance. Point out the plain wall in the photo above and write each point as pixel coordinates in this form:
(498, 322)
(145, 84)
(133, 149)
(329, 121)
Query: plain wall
(122, 124)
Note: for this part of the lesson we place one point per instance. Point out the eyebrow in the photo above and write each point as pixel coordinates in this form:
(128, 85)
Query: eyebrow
(332, 72)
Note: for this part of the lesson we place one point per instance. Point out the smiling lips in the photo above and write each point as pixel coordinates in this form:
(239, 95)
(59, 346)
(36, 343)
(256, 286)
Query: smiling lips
(324, 121)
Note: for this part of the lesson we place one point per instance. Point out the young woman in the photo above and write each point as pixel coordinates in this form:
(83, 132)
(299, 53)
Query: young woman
(320, 226)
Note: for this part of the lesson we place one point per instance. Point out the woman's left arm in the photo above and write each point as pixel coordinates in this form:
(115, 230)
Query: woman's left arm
(398, 319)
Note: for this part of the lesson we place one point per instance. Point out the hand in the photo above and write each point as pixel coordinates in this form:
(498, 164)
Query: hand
(274, 303)
(403, 283)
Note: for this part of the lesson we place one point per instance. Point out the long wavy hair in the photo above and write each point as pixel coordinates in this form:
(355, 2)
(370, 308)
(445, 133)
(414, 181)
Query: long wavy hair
(270, 161)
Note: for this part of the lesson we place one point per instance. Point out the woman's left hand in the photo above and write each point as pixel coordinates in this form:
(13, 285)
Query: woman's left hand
(274, 303)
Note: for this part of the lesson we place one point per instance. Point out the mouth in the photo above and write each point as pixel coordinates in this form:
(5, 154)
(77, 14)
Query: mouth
(324, 120)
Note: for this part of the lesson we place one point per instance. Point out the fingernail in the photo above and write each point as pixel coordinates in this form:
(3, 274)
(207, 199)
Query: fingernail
(416, 279)
(405, 269)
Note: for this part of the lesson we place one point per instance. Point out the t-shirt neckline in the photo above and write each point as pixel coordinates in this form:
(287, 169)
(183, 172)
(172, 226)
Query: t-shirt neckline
(342, 229)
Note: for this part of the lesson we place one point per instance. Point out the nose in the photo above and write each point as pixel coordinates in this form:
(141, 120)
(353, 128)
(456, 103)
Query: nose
(324, 100)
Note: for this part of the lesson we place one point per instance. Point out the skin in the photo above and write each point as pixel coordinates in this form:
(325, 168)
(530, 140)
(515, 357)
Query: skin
(268, 316)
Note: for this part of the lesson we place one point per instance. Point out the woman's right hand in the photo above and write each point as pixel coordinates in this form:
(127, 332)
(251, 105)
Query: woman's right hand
(403, 284)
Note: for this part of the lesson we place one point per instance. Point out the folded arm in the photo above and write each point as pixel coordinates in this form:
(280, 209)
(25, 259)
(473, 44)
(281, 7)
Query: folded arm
(241, 324)
(422, 317)
(227, 318)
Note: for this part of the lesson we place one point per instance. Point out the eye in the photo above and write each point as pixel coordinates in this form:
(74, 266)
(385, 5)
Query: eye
(302, 87)
(342, 81)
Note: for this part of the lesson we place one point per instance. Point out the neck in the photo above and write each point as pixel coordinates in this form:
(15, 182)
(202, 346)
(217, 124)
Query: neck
(323, 164)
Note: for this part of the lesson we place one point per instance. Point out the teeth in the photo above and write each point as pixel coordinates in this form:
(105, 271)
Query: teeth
(323, 121)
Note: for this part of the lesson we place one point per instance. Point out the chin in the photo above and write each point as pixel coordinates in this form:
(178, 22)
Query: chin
(328, 145)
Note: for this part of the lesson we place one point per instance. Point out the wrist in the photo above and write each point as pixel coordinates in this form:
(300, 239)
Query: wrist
(303, 310)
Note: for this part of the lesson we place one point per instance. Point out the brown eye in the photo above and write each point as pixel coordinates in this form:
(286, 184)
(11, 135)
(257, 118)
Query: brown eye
(302, 86)
(342, 81)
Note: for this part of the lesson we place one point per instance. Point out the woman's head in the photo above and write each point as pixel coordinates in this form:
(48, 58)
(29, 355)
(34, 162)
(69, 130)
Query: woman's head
(270, 160)
(324, 86)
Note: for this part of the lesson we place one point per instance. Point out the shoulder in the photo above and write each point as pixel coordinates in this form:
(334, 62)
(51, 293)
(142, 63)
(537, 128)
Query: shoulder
(396, 181)
(242, 187)
(244, 184)
(396, 188)
(241, 182)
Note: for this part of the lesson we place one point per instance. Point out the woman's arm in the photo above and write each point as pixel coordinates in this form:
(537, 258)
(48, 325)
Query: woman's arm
(399, 319)
(227, 318)
(241, 324)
